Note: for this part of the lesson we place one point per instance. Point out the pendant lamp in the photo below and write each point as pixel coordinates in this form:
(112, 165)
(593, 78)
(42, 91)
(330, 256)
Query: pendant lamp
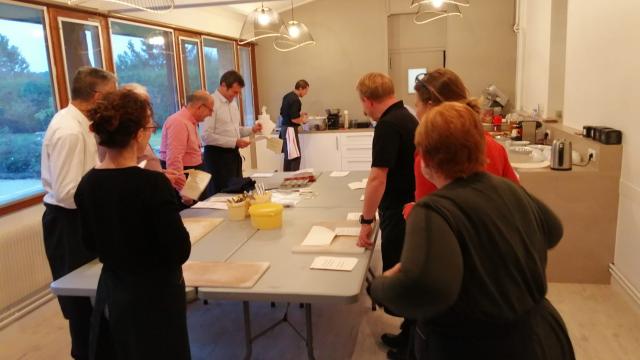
(293, 35)
(429, 12)
(260, 23)
(439, 3)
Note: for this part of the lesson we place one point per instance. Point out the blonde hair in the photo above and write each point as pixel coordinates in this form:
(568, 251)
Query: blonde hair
(451, 140)
(375, 86)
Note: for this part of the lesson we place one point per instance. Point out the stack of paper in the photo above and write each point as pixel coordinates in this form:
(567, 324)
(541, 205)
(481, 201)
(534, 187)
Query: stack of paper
(210, 204)
(196, 183)
(319, 236)
(339, 174)
(359, 184)
(348, 231)
(354, 216)
(286, 199)
(334, 263)
(262, 175)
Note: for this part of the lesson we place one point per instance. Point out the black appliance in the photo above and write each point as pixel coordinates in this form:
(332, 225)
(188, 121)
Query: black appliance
(595, 132)
(587, 131)
(610, 136)
(333, 119)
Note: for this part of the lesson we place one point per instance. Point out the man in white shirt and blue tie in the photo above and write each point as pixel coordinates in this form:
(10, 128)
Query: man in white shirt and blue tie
(223, 136)
(69, 150)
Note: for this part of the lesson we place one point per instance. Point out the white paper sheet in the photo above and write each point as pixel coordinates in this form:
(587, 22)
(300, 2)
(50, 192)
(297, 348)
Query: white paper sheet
(334, 263)
(210, 205)
(362, 198)
(307, 170)
(219, 199)
(354, 216)
(267, 126)
(142, 164)
(286, 200)
(339, 173)
(275, 144)
(319, 236)
(196, 183)
(262, 175)
(347, 231)
(356, 185)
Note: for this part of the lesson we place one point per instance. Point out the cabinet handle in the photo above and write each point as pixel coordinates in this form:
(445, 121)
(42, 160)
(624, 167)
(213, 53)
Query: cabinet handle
(337, 144)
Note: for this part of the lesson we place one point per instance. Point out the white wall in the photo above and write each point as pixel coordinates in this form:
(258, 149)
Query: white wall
(534, 46)
(351, 40)
(602, 87)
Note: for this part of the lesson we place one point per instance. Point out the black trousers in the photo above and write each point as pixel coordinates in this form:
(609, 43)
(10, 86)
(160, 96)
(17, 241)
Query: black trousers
(223, 164)
(65, 253)
(392, 226)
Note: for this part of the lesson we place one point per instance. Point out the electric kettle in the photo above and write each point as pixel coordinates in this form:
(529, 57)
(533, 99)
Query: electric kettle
(561, 155)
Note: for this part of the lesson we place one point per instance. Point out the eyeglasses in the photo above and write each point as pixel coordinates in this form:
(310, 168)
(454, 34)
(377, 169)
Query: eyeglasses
(153, 127)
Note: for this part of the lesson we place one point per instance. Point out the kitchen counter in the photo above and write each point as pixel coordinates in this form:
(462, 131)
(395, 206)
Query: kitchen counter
(337, 131)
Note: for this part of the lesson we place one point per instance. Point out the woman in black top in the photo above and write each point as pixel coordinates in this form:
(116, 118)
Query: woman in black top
(292, 118)
(130, 218)
(473, 264)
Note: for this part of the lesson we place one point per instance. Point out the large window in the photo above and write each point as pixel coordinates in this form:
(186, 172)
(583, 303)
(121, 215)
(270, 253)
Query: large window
(219, 57)
(247, 94)
(27, 100)
(82, 45)
(190, 56)
(145, 55)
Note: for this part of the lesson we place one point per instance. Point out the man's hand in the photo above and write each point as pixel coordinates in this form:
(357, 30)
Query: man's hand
(364, 240)
(176, 178)
(393, 271)
(242, 143)
(187, 200)
(256, 128)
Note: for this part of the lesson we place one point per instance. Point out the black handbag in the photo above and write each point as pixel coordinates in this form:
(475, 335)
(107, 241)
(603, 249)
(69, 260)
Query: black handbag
(239, 185)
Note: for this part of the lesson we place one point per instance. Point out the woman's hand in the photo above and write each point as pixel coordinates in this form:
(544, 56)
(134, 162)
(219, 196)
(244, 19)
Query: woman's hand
(176, 178)
(393, 271)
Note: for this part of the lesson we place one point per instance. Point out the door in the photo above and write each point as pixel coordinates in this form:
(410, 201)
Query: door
(404, 65)
(320, 151)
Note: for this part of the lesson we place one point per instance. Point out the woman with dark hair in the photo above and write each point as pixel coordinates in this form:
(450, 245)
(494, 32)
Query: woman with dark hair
(129, 218)
(473, 264)
(434, 88)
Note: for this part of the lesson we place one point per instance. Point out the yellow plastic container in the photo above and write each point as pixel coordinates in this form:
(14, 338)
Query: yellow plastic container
(266, 216)
(237, 211)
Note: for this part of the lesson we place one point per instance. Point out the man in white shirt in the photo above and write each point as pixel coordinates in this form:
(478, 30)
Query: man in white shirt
(223, 136)
(69, 150)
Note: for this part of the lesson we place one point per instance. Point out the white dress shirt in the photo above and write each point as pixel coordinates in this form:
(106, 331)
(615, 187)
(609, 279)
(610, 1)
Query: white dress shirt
(69, 150)
(223, 128)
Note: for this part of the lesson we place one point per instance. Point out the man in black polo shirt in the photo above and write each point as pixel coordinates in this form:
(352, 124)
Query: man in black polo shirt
(292, 118)
(391, 181)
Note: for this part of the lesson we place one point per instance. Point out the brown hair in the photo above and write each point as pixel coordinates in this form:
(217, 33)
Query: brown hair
(451, 140)
(375, 86)
(118, 116)
(231, 77)
(443, 85)
(301, 84)
(86, 81)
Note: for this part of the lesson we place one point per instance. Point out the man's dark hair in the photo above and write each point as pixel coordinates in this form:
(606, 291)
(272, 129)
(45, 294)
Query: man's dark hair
(87, 80)
(232, 77)
(301, 84)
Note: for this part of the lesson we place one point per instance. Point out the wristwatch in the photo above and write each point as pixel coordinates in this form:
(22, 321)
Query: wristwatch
(364, 221)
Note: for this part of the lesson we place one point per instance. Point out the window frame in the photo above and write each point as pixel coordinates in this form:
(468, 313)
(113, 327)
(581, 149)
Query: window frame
(37, 198)
(182, 35)
(64, 53)
(175, 53)
(54, 44)
(254, 80)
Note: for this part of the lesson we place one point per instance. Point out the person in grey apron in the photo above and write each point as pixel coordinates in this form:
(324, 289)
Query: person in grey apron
(292, 118)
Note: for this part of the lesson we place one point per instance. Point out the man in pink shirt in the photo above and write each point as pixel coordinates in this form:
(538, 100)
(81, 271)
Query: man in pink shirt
(180, 146)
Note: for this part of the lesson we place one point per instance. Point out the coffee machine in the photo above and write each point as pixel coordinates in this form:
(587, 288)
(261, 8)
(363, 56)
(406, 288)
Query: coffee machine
(333, 119)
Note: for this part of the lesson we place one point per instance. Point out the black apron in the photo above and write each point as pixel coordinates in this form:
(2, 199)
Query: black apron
(140, 316)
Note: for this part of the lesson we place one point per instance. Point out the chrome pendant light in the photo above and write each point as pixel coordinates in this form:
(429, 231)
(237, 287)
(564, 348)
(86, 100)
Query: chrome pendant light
(439, 3)
(293, 35)
(428, 12)
(153, 6)
(260, 23)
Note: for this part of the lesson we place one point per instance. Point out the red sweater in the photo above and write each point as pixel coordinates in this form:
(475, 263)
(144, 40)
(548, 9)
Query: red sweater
(497, 164)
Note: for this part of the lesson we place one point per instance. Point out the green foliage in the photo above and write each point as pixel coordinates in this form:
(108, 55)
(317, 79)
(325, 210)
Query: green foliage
(151, 67)
(11, 61)
(20, 155)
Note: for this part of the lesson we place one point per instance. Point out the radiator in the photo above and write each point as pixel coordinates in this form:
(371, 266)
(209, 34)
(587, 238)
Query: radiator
(24, 270)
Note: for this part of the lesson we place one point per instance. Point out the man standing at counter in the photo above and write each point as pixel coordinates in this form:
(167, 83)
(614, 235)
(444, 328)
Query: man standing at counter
(292, 118)
(223, 136)
(391, 182)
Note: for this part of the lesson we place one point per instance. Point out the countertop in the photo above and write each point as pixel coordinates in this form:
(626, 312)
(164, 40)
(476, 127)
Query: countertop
(338, 131)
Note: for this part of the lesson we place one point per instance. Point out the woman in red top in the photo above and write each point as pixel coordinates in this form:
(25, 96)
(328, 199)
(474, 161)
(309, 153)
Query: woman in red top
(432, 89)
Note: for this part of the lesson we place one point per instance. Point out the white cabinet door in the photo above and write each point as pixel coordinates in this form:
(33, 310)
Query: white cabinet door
(320, 151)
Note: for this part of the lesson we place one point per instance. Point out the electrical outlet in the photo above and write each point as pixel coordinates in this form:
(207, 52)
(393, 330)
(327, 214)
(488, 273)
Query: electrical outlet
(592, 153)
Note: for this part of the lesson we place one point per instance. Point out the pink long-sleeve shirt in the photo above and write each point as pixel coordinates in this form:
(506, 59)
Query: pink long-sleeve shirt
(180, 144)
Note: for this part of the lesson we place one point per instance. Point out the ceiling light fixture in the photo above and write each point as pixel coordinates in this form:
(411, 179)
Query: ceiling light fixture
(438, 3)
(260, 23)
(429, 12)
(154, 6)
(293, 35)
